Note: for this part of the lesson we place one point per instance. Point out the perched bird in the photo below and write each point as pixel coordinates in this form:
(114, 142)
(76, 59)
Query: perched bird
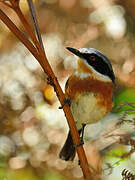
(89, 90)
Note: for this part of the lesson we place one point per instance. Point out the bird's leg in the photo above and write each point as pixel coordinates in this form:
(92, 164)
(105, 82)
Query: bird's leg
(66, 101)
(81, 142)
(82, 130)
(83, 126)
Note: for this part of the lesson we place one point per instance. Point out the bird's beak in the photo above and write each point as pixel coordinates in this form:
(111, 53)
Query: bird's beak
(74, 51)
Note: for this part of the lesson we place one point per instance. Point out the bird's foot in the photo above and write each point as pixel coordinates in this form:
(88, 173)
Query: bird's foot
(66, 101)
(80, 143)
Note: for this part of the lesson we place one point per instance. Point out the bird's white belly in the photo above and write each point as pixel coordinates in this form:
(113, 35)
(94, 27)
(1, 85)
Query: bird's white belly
(85, 110)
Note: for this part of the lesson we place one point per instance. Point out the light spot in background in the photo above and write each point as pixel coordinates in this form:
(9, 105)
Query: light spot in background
(28, 114)
(113, 19)
(51, 161)
(16, 80)
(37, 97)
(15, 91)
(95, 18)
(17, 103)
(21, 74)
(54, 136)
(31, 136)
(52, 115)
(31, 63)
(125, 51)
(60, 164)
(41, 155)
(53, 45)
(116, 27)
(12, 88)
(70, 62)
(17, 138)
(128, 66)
(7, 147)
(17, 162)
(77, 172)
(34, 162)
(38, 156)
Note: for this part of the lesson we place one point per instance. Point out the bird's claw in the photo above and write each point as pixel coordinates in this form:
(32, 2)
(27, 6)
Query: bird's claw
(80, 143)
(66, 101)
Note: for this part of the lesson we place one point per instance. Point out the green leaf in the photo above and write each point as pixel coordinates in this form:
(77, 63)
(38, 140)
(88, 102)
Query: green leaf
(125, 101)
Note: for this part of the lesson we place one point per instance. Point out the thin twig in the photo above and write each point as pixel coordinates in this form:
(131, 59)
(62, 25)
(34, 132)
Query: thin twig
(33, 14)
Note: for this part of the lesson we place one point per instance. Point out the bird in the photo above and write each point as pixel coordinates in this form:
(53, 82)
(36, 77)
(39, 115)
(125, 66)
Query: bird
(89, 91)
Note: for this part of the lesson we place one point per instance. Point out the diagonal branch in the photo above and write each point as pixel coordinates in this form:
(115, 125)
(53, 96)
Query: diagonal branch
(39, 54)
(6, 3)
(26, 24)
(18, 34)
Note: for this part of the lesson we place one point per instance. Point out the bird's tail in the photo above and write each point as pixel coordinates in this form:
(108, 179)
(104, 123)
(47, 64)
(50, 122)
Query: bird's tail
(68, 151)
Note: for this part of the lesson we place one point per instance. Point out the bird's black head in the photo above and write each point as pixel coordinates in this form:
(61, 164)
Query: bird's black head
(96, 60)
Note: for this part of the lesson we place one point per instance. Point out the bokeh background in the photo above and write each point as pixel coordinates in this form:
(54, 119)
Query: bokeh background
(32, 128)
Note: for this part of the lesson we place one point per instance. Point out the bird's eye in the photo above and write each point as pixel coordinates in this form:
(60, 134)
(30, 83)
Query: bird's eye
(92, 58)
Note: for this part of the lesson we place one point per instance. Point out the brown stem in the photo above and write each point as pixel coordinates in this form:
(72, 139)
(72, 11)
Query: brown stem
(34, 18)
(15, 3)
(27, 26)
(47, 68)
(6, 3)
(18, 33)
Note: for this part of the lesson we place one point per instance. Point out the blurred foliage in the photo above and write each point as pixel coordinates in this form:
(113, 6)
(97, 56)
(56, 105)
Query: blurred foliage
(52, 176)
(21, 174)
(115, 154)
(125, 101)
(28, 174)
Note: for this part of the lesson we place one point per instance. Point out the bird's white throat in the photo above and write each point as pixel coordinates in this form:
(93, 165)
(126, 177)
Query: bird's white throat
(94, 74)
